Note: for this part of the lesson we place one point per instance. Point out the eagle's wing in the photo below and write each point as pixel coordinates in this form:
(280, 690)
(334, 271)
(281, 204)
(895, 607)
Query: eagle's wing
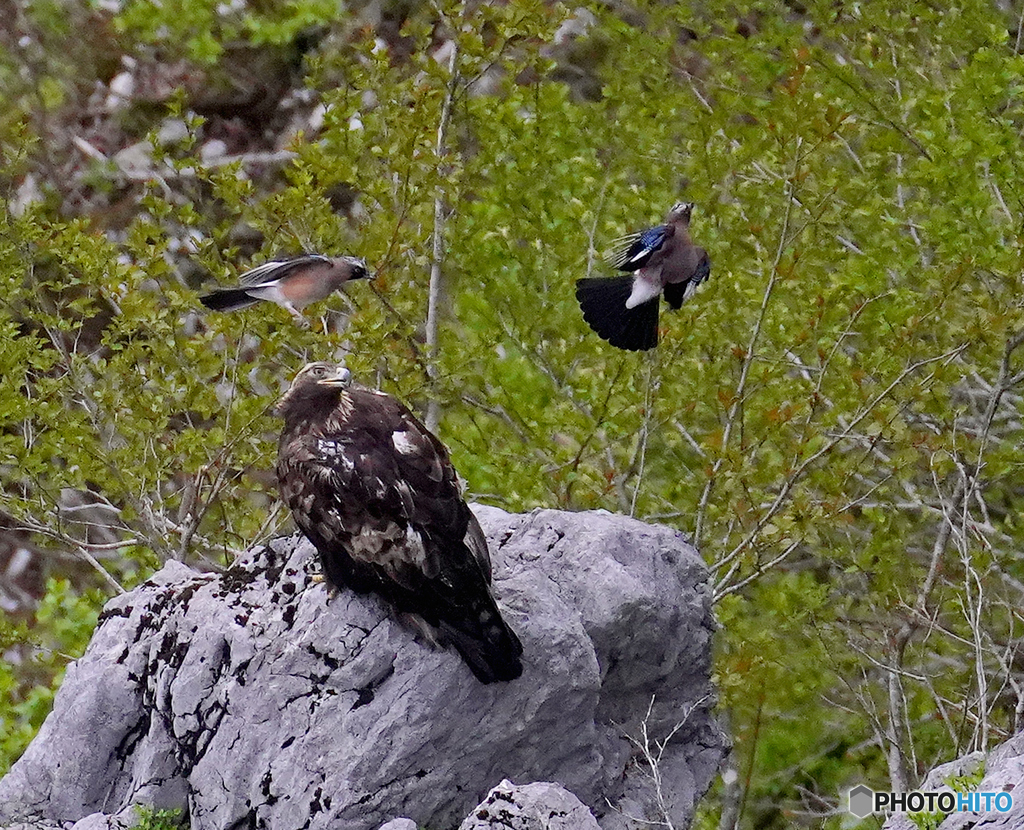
(428, 494)
(384, 488)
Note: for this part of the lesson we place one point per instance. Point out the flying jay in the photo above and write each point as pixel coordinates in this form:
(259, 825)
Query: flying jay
(624, 310)
(292, 283)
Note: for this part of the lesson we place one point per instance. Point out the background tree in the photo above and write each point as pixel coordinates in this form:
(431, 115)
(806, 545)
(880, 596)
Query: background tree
(835, 417)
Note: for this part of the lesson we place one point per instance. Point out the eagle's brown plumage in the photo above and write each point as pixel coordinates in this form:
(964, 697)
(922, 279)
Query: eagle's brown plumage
(377, 495)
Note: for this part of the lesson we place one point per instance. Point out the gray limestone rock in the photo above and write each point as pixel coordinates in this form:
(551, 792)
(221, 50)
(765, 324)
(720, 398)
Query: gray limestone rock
(399, 824)
(1003, 772)
(540, 806)
(247, 699)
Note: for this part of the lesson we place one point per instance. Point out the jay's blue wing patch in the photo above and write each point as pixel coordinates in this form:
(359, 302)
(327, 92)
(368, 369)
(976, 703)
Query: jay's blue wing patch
(634, 251)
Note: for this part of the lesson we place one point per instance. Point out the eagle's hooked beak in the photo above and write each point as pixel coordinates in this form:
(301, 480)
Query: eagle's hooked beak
(340, 377)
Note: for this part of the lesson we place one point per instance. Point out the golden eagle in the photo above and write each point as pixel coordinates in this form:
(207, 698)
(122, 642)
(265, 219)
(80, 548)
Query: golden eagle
(377, 495)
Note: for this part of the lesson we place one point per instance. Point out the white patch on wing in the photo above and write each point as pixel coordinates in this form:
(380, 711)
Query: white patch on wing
(403, 443)
(268, 291)
(638, 257)
(415, 550)
(327, 447)
(335, 450)
(371, 544)
(401, 551)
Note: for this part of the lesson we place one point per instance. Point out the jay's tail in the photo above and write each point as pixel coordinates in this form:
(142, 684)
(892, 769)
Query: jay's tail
(603, 300)
(228, 299)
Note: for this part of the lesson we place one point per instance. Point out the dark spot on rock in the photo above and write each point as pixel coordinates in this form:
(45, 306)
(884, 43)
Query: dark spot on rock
(114, 612)
(131, 737)
(363, 696)
(331, 662)
(185, 595)
(265, 788)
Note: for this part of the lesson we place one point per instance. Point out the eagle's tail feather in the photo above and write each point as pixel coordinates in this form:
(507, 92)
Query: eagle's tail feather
(603, 300)
(228, 299)
(489, 646)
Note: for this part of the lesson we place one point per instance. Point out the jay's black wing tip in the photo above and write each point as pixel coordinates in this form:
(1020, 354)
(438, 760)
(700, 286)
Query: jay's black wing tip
(603, 301)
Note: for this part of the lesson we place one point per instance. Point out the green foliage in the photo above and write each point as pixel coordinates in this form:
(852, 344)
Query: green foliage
(835, 417)
(964, 783)
(63, 624)
(967, 782)
(150, 819)
(200, 29)
(927, 821)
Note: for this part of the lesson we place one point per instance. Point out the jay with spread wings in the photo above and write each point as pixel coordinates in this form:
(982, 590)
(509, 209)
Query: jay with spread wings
(292, 283)
(661, 260)
(377, 495)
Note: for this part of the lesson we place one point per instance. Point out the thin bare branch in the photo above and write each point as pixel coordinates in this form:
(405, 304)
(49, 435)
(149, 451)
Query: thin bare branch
(441, 211)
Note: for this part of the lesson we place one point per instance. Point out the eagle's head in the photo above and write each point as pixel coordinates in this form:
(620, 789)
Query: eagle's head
(680, 210)
(317, 387)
